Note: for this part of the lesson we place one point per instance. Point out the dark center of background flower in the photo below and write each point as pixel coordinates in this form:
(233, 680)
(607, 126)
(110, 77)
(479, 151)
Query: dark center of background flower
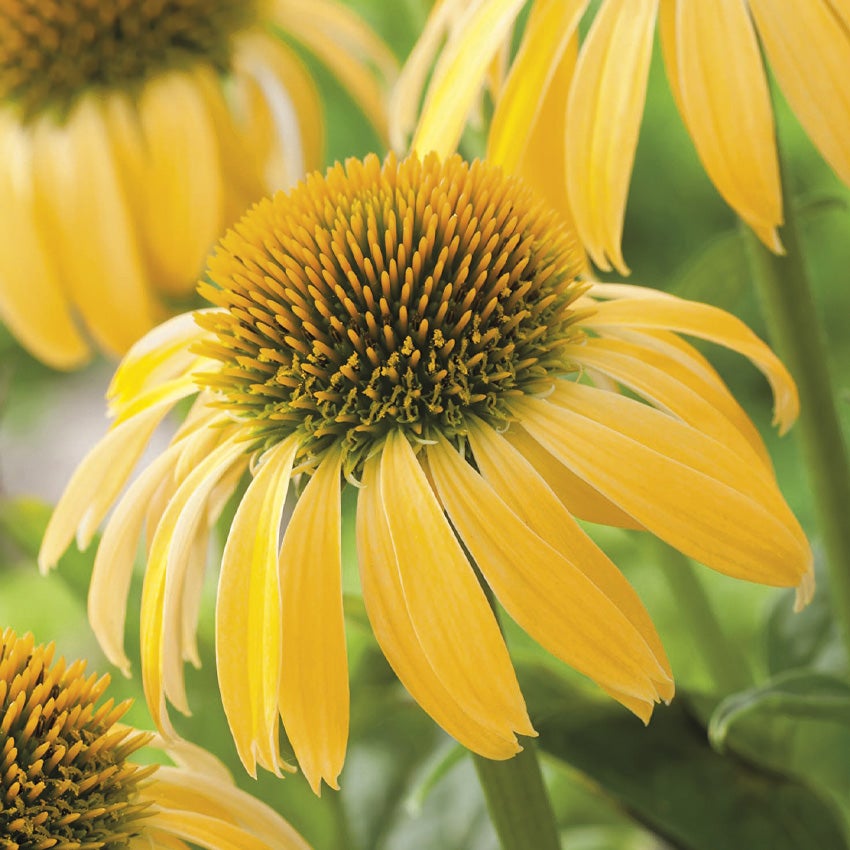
(64, 781)
(405, 295)
(51, 51)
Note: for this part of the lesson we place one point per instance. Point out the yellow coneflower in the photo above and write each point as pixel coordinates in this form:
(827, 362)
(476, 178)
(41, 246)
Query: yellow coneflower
(585, 105)
(66, 781)
(132, 132)
(417, 329)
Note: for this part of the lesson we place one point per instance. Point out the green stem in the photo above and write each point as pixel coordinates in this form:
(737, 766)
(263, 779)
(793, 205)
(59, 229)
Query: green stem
(516, 795)
(518, 802)
(726, 666)
(785, 290)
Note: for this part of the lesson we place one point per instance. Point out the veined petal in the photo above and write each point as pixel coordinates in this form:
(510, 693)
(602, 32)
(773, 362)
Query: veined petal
(209, 831)
(247, 634)
(683, 486)
(809, 51)
(541, 586)
(97, 481)
(89, 223)
(603, 118)
(314, 699)
(339, 39)
(448, 609)
(579, 498)
(550, 29)
(663, 382)
(174, 534)
(116, 554)
(460, 72)
(32, 302)
(179, 790)
(182, 180)
(383, 597)
(666, 312)
(727, 108)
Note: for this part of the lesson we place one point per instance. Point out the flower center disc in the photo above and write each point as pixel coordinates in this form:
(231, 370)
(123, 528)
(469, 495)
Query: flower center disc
(51, 51)
(405, 295)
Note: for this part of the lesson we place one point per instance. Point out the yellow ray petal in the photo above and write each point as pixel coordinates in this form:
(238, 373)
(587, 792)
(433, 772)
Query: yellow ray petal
(90, 226)
(97, 481)
(451, 616)
(460, 72)
(579, 498)
(526, 492)
(247, 634)
(32, 303)
(182, 180)
(383, 597)
(681, 358)
(210, 832)
(116, 554)
(667, 385)
(683, 486)
(314, 699)
(542, 589)
(603, 118)
(178, 789)
(347, 47)
(666, 312)
(550, 29)
(727, 108)
(809, 51)
(169, 548)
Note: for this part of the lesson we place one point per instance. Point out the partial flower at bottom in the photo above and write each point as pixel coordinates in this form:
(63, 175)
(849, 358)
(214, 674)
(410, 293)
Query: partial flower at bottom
(66, 781)
(417, 330)
(132, 132)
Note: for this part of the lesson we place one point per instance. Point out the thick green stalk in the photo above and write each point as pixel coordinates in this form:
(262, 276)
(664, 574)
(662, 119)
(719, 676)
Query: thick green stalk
(518, 802)
(785, 290)
(726, 665)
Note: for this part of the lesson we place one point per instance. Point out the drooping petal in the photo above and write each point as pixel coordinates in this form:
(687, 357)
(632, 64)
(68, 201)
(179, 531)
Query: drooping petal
(169, 548)
(385, 604)
(726, 105)
(603, 118)
(682, 485)
(664, 383)
(809, 51)
(541, 587)
(247, 634)
(209, 831)
(460, 72)
(314, 698)
(579, 498)
(182, 165)
(647, 309)
(448, 609)
(32, 301)
(89, 223)
(548, 33)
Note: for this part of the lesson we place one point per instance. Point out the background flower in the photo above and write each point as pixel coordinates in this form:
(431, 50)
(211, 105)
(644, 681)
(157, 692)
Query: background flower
(387, 325)
(589, 101)
(131, 133)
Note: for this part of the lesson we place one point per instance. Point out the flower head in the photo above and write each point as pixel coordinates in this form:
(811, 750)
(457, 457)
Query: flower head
(131, 132)
(67, 781)
(418, 329)
(580, 108)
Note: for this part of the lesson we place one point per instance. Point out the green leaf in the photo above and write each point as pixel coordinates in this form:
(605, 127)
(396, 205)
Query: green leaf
(796, 693)
(668, 778)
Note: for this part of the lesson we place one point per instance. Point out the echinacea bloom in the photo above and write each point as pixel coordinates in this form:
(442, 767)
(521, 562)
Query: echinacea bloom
(67, 780)
(131, 133)
(417, 330)
(582, 108)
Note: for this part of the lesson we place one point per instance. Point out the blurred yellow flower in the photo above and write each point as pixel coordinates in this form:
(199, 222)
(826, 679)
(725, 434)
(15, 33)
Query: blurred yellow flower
(580, 110)
(418, 330)
(66, 781)
(131, 133)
